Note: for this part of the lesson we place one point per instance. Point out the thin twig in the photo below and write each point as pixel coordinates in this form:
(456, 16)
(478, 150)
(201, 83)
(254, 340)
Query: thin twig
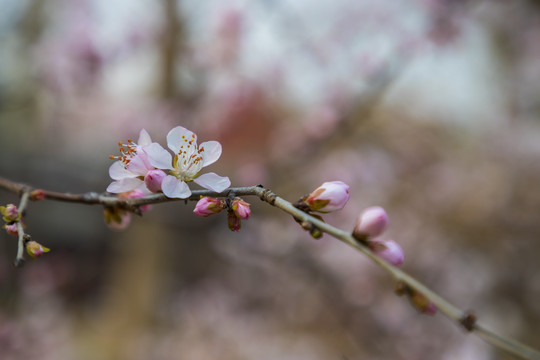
(23, 238)
(451, 311)
(458, 316)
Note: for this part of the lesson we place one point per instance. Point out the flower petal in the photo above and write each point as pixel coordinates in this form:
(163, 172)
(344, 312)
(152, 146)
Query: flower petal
(117, 171)
(144, 138)
(174, 188)
(139, 164)
(158, 157)
(124, 185)
(212, 152)
(213, 182)
(175, 140)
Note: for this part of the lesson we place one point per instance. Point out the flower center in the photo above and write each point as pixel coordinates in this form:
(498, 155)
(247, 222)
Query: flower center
(189, 160)
(127, 151)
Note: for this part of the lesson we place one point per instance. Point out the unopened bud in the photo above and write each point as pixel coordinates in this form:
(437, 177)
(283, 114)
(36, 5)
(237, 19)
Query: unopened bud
(153, 180)
(389, 250)
(116, 219)
(241, 208)
(35, 249)
(37, 195)
(207, 206)
(10, 213)
(422, 303)
(134, 194)
(12, 229)
(371, 223)
(315, 232)
(328, 197)
(233, 221)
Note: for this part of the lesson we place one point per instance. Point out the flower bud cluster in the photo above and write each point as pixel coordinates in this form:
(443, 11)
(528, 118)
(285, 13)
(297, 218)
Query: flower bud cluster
(11, 216)
(371, 223)
(237, 210)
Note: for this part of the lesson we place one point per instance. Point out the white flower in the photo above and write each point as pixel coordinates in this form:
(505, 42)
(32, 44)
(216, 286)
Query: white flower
(136, 161)
(188, 161)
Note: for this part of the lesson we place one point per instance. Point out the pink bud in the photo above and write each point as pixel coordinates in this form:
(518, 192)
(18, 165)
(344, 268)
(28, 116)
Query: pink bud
(328, 197)
(37, 195)
(10, 212)
(133, 194)
(12, 229)
(116, 218)
(241, 208)
(422, 303)
(389, 250)
(233, 221)
(371, 223)
(430, 309)
(119, 219)
(122, 224)
(208, 206)
(35, 249)
(153, 180)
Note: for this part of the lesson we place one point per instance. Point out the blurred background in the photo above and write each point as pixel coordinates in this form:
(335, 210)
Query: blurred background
(429, 108)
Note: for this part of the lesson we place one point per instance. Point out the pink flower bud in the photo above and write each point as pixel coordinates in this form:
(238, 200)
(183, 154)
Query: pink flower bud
(37, 195)
(419, 300)
(241, 208)
(371, 223)
(430, 309)
(12, 229)
(10, 212)
(328, 197)
(133, 194)
(207, 206)
(422, 303)
(233, 221)
(153, 180)
(35, 249)
(389, 250)
(117, 219)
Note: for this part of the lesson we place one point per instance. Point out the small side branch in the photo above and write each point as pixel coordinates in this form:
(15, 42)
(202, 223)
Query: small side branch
(23, 238)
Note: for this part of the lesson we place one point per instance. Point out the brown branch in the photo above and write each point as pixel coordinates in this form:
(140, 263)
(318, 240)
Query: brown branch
(461, 318)
(107, 199)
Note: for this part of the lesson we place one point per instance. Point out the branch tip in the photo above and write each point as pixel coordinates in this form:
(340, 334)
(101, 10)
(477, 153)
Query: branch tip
(19, 262)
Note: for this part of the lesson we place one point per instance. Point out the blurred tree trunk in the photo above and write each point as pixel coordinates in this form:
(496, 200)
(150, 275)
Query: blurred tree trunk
(171, 41)
(131, 295)
(134, 288)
